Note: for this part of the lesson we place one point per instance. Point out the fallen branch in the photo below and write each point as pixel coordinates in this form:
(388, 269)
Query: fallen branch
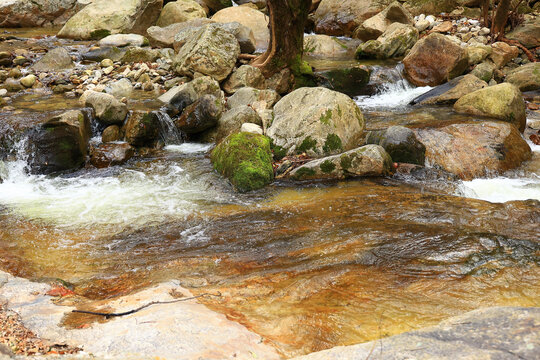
(246, 56)
(110, 315)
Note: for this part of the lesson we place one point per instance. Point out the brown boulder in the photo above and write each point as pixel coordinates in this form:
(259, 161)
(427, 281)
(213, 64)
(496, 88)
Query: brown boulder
(343, 17)
(434, 60)
(106, 155)
(474, 149)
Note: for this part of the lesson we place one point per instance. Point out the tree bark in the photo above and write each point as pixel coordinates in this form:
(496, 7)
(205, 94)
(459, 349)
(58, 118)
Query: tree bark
(500, 19)
(287, 22)
(485, 12)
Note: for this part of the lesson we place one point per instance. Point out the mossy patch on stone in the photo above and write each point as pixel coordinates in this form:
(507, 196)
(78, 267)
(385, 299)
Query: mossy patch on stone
(326, 116)
(304, 173)
(332, 143)
(99, 34)
(327, 166)
(278, 151)
(307, 144)
(345, 162)
(246, 160)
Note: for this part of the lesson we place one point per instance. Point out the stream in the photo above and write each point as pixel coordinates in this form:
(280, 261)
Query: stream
(308, 266)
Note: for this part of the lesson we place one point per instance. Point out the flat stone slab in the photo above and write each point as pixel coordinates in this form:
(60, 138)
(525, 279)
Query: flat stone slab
(503, 333)
(182, 330)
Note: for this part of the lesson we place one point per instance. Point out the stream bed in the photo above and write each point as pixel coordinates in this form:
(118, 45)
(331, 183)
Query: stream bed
(308, 266)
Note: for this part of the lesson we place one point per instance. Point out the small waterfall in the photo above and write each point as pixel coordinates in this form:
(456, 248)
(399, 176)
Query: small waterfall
(168, 132)
(391, 89)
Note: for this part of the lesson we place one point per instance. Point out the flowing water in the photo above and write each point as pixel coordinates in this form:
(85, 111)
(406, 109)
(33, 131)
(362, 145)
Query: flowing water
(308, 266)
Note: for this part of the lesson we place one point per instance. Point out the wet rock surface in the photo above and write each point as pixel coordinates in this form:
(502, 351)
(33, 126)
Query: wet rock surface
(494, 333)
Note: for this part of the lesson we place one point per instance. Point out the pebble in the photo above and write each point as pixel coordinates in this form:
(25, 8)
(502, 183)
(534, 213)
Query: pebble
(463, 30)
(15, 73)
(108, 70)
(20, 60)
(28, 81)
(484, 31)
(3, 92)
(105, 63)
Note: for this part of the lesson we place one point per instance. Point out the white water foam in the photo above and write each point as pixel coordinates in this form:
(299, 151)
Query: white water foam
(393, 92)
(503, 189)
(136, 195)
(189, 148)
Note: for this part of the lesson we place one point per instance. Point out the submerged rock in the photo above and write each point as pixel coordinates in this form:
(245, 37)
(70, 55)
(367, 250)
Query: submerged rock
(111, 133)
(400, 143)
(317, 121)
(60, 144)
(112, 53)
(108, 110)
(212, 52)
(120, 89)
(474, 149)
(434, 60)
(350, 80)
(369, 160)
(105, 17)
(503, 102)
(106, 155)
(57, 59)
(246, 160)
(492, 333)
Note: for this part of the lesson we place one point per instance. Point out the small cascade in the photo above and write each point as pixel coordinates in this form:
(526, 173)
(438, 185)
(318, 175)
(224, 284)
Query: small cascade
(168, 132)
(390, 89)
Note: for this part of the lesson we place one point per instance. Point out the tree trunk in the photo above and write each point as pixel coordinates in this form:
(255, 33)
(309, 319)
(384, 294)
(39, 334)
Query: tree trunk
(485, 12)
(287, 22)
(500, 18)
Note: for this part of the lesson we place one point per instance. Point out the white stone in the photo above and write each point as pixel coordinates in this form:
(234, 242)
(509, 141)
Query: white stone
(251, 128)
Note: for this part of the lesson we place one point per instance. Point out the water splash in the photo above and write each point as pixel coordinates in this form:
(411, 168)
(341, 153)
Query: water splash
(168, 132)
(393, 91)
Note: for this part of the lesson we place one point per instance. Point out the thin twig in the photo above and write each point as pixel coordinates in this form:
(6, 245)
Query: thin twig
(109, 315)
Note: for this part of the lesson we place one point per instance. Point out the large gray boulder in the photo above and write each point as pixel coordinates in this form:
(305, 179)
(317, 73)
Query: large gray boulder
(107, 109)
(493, 333)
(317, 121)
(375, 26)
(37, 13)
(180, 11)
(58, 59)
(243, 34)
(212, 51)
(394, 42)
(368, 160)
(474, 149)
(105, 17)
(186, 94)
(60, 144)
(503, 102)
(244, 76)
(164, 36)
(258, 99)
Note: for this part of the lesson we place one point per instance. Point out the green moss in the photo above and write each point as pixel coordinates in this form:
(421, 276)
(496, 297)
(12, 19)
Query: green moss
(327, 166)
(304, 173)
(340, 43)
(307, 144)
(245, 159)
(332, 143)
(278, 151)
(303, 73)
(99, 34)
(345, 162)
(325, 118)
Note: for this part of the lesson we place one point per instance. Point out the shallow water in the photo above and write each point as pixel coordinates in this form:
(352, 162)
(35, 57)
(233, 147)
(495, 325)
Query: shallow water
(306, 265)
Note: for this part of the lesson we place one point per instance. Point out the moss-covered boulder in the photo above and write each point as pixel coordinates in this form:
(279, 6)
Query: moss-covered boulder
(504, 102)
(246, 160)
(316, 121)
(105, 17)
(369, 160)
(526, 77)
(394, 42)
